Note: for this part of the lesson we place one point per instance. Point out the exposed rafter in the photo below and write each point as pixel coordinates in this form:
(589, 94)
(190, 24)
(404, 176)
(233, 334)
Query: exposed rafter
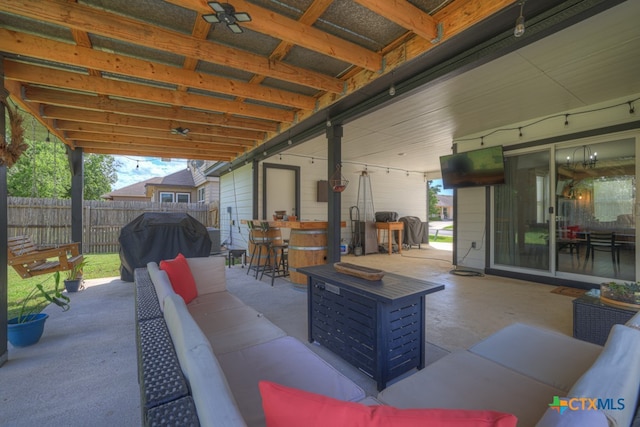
(133, 79)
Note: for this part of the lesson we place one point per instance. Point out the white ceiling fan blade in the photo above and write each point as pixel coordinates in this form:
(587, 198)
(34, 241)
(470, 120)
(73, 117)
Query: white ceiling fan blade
(216, 6)
(212, 19)
(235, 28)
(242, 17)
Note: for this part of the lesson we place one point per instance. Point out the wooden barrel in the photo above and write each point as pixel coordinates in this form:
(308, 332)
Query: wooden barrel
(273, 234)
(306, 248)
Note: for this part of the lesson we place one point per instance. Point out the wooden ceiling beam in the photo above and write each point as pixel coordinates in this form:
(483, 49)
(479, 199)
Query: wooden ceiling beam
(138, 109)
(16, 92)
(151, 142)
(64, 53)
(128, 149)
(101, 22)
(311, 15)
(68, 80)
(69, 126)
(140, 152)
(159, 148)
(99, 117)
(404, 14)
(275, 25)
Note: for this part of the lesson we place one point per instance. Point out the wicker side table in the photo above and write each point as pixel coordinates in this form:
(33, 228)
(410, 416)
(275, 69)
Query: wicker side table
(593, 319)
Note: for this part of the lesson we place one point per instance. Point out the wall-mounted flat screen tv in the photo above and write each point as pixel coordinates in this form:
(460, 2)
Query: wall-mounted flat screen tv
(477, 168)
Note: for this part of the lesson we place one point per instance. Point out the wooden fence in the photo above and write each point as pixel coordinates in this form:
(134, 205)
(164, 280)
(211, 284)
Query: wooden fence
(48, 221)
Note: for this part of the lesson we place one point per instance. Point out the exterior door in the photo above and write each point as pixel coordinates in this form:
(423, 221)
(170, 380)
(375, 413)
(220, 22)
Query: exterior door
(521, 207)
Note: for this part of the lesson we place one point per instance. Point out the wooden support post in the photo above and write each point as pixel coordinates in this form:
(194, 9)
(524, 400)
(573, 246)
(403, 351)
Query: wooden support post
(4, 278)
(77, 193)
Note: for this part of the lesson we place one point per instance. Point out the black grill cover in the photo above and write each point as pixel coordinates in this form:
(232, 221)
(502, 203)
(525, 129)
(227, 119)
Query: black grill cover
(414, 231)
(154, 236)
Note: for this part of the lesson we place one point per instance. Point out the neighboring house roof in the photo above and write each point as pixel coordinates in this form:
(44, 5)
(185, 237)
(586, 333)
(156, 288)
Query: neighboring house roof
(182, 178)
(444, 200)
(133, 190)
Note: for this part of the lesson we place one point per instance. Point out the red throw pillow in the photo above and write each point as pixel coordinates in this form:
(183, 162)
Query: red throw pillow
(289, 407)
(182, 280)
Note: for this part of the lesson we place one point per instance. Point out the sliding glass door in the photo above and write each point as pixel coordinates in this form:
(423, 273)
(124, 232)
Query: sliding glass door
(521, 218)
(580, 223)
(595, 197)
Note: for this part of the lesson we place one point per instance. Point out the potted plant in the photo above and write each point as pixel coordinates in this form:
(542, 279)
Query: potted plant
(28, 326)
(74, 277)
(626, 294)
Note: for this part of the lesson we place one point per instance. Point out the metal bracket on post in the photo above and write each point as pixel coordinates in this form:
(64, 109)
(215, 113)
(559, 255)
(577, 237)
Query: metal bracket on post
(440, 30)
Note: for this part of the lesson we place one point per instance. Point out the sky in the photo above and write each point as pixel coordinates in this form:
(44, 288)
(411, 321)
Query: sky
(442, 190)
(134, 169)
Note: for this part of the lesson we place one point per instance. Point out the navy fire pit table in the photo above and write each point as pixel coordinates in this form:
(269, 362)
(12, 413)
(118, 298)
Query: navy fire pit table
(378, 326)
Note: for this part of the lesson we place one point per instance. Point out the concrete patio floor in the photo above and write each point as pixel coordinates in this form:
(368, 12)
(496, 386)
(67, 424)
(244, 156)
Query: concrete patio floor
(84, 369)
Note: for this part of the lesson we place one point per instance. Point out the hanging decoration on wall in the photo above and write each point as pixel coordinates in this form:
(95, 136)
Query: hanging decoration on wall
(338, 182)
(12, 149)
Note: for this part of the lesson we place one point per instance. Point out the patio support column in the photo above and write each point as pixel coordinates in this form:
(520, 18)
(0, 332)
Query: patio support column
(4, 234)
(254, 194)
(77, 193)
(334, 157)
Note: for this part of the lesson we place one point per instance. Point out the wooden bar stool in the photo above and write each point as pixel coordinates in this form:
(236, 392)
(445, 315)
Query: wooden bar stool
(258, 248)
(277, 264)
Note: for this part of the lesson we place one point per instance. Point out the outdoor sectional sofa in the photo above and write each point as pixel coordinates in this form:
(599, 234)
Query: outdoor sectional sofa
(201, 363)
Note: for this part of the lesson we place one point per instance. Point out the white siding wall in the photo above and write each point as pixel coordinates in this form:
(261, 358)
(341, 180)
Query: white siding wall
(393, 191)
(236, 193)
(470, 227)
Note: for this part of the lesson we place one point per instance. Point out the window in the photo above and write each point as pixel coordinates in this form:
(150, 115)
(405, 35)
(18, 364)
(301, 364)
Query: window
(183, 197)
(201, 195)
(166, 197)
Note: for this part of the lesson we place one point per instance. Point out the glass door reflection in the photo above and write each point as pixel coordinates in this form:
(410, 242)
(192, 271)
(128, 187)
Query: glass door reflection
(595, 200)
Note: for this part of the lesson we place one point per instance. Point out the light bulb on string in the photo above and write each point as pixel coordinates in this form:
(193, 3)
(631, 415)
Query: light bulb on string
(519, 29)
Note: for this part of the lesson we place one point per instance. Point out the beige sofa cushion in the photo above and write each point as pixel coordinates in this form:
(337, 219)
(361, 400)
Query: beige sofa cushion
(161, 282)
(209, 274)
(547, 356)
(212, 396)
(216, 301)
(463, 380)
(615, 375)
(235, 328)
(285, 361)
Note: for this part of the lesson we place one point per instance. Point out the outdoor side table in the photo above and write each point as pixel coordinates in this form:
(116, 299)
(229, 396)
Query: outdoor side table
(377, 326)
(391, 227)
(593, 319)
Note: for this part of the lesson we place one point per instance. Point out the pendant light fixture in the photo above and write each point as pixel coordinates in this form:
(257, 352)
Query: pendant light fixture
(518, 31)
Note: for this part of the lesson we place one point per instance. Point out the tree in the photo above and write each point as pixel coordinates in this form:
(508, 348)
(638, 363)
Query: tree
(433, 192)
(99, 175)
(43, 170)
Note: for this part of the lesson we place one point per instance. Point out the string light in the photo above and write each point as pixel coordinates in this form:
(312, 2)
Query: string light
(520, 129)
(518, 31)
(364, 165)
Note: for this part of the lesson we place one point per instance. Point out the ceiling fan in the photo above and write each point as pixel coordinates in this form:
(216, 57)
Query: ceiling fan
(226, 14)
(180, 131)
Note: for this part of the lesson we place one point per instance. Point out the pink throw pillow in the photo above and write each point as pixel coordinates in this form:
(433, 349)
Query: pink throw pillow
(289, 407)
(182, 280)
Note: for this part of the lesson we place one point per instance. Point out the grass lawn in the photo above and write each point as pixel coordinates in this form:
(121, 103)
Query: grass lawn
(440, 239)
(98, 265)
